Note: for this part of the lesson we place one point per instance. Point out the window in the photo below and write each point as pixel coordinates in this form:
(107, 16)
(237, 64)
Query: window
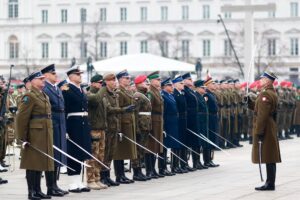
(85, 49)
(123, 14)
(144, 46)
(206, 14)
(271, 14)
(227, 15)
(44, 16)
(13, 47)
(294, 9)
(271, 47)
(13, 9)
(82, 15)
(143, 13)
(103, 49)
(294, 46)
(206, 48)
(64, 50)
(123, 48)
(164, 13)
(185, 12)
(64, 15)
(164, 46)
(227, 48)
(45, 50)
(102, 14)
(185, 48)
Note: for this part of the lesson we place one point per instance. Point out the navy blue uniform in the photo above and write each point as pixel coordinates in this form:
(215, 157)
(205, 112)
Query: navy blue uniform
(170, 120)
(192, 117)
(58, 120)
(78, 127)
(202, 117)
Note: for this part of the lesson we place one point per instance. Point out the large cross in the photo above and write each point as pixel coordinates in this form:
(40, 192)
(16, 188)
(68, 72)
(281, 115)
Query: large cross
(249, 10)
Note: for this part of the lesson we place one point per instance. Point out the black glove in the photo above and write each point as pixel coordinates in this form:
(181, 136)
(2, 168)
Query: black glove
(130, 108)
(260, 137)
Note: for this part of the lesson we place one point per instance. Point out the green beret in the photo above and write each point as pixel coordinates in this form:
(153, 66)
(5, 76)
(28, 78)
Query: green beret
(96, 78)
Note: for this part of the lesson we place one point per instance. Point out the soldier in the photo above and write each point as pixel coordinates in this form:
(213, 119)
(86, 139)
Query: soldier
(170, 127)
(213, 124)
(281, 111)
(110, 100)
(125, 149)
(20, 92)
(157, 120)
(202, 117)
(238, 112)
(34, 128)
(182, 121)
(2, 181)
(98, 126)
(192, 118)
(59, 128)
(223, 109)
(143, 126)
(78, 128)
(265, 130)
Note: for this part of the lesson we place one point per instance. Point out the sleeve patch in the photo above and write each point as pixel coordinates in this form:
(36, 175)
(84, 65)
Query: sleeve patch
(25, 100)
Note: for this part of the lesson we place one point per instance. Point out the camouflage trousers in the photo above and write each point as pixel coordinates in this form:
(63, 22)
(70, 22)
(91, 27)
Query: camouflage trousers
(3, 142)
(110, 146)
(142, 139)
(98, 147)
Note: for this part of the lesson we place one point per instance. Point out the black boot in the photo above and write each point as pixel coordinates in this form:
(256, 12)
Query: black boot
(162, 165)
(271, 176)
(148, 166)
(51, 190)
(154, 172)
(137, 175)
(30, 177)
(103, 178)
(39, 193)
(118, 165)
(143, 175)
(109, 180)
(123, 173)
(185, 158)
(56, 178)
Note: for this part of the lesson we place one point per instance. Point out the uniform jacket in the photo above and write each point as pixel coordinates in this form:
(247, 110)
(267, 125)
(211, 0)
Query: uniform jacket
(38, 132)
(157, 120)
(125, 149)
(182, 119)
(171, 117)
(143, 121)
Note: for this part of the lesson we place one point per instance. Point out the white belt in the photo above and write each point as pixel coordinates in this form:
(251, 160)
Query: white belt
(145, 113)
(80, 114)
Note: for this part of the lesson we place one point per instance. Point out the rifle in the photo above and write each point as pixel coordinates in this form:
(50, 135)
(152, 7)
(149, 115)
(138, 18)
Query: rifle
(3, 119)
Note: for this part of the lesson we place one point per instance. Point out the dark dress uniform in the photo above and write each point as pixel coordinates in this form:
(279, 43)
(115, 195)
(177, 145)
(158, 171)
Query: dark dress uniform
(78, 128)
(34, 125)
(213, 126)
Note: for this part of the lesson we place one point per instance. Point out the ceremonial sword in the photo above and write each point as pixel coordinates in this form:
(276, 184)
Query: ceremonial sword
(69, 156)
(167, 148)
(183, 144)
(223, 138)
(101, 163)
(201, 136)
(134, 142)
(47, 155)
(260, 159)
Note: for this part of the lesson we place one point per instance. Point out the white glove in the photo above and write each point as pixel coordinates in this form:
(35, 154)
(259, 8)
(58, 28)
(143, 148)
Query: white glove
(67, 136)
(24, 144)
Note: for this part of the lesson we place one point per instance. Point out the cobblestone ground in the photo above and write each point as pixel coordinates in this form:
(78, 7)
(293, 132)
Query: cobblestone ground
(234, 179)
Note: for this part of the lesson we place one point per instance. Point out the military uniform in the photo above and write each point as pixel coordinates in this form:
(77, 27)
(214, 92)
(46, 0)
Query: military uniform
(297, 113)
(143, 128)
(34, 125)
(265, 130)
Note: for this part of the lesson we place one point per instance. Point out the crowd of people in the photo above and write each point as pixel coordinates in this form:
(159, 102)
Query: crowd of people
(146, 119)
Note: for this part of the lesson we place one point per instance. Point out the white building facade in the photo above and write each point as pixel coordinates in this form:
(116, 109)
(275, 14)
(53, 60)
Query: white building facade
(35, 33)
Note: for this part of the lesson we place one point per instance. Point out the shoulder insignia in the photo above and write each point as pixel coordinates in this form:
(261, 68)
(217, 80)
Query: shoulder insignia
(25, 99)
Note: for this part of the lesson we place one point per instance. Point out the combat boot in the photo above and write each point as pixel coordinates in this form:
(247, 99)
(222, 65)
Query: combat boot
(109, 180)
(118, 165)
